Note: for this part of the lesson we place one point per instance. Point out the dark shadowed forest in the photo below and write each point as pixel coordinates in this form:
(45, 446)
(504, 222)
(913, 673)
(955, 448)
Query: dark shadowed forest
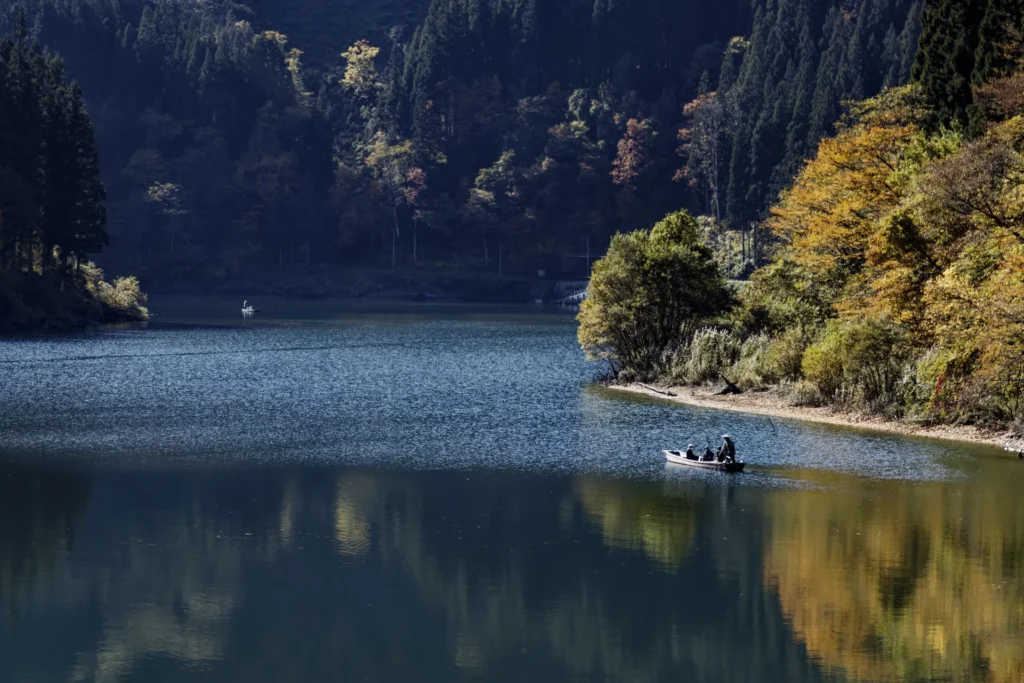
(460, 136)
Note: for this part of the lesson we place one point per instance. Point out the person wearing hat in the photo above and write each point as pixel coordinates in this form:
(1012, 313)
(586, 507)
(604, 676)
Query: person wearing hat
(727, 452)
(690, 455)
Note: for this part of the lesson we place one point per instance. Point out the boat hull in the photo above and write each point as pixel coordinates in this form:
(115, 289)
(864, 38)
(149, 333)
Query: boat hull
(679, 458)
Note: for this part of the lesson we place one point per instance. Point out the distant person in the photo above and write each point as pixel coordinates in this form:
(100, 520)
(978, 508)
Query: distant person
(690, 455)
(709, 455)
(727, 451)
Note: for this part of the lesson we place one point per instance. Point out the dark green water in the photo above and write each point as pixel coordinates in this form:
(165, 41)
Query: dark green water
(438, 494)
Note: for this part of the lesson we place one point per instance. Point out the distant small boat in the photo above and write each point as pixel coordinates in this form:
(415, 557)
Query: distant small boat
(679, 458)
(247, 309)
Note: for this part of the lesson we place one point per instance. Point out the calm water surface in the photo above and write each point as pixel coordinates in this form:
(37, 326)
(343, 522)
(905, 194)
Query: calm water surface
(438, 493)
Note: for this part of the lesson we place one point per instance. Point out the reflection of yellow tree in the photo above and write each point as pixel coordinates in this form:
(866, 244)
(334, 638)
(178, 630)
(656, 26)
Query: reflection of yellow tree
(904, 582)
(354, 501)
(636, 518)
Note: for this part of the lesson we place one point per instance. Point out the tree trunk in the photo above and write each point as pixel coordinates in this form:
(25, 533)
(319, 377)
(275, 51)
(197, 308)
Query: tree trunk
(46, 258)
(394, 238)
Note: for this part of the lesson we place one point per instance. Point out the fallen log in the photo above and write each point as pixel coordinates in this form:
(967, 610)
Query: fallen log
(657, 391)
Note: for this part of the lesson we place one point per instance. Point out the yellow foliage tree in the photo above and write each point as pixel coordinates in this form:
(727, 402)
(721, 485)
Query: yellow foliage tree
(361, 71)
(840, 200)
(923, 234)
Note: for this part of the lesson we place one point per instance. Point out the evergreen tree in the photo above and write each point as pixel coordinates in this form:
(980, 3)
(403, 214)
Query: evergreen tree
(945, 63)
(804, 60)
(993, 56)
(51, 196)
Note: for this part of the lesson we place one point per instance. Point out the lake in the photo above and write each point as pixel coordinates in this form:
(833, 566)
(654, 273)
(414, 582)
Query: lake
(409, 492)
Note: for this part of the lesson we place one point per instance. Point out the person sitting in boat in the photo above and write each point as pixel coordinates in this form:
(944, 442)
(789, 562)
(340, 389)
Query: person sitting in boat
(709, 455)
(690, 455)
(727, 452)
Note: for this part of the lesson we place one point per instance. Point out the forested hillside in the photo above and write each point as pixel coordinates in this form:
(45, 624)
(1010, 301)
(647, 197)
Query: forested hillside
(516, 132)
(208, 138)
(896, 280)
(805, 57)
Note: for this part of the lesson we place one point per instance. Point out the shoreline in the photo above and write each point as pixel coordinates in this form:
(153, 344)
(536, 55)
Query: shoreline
(772, 405)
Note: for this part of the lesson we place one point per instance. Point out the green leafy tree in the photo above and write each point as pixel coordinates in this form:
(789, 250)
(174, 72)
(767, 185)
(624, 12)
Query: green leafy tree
(399, 182)
(643, 292)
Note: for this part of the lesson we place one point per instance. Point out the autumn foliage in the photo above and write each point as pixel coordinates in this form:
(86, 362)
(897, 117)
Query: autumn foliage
(896, 282)
(911, 243)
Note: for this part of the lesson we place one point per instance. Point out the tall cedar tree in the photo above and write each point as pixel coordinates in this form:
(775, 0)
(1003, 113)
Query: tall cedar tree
(964, 43)
(803, 60)
(51, 197)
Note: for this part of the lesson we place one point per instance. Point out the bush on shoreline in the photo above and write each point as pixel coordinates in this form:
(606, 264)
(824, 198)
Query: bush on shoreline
(122, 301)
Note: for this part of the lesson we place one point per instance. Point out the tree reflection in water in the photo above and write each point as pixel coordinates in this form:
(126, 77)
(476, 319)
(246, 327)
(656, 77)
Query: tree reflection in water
(894, 582)
(312, 573)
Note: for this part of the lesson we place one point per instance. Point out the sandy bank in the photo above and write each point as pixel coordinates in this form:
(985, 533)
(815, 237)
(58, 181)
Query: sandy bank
(772, 404)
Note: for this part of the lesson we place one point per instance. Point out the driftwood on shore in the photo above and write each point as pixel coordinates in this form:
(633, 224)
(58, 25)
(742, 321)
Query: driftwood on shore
(729, 390)
(657, 391)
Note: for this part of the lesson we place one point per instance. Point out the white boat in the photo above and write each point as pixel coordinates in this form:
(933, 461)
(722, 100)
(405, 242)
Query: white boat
(679, 458)
(247, 309)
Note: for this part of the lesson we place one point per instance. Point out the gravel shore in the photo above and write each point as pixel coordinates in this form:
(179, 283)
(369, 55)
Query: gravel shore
(771, 403)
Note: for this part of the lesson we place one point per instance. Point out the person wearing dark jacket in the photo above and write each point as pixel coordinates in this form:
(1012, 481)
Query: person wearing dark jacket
(727, 452)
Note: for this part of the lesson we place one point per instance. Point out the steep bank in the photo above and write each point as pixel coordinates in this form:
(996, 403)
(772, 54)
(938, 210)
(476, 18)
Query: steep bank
(773, 404)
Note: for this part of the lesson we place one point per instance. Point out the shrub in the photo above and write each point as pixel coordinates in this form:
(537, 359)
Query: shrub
(754, 369)
(823, 363)
(708, 354)
(779, 298)
(648, 285)
(786, 353)
(122, 300)
(804, 393)
(863, 361)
